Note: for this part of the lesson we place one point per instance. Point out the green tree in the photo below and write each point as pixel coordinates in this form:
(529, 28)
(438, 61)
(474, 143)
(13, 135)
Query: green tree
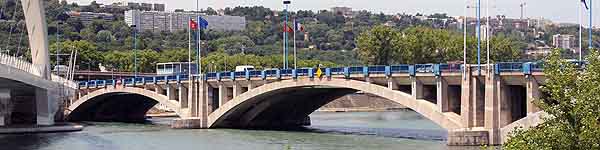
(379, 45)
(573, 102)
(88, 56)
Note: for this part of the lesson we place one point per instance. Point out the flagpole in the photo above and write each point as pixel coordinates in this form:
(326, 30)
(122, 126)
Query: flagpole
(285, 50)
(295, 56)
(478, 37)
(579, 14)
(465, 41)
(189, 47)
(591, 46)
(284, 37)
(198, 61)
(283, 47)
(487, 33)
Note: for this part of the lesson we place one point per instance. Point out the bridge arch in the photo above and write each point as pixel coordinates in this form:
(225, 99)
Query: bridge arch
(251, 105)
(127, 104)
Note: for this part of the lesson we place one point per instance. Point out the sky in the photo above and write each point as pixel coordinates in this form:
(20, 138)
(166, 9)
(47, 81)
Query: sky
(556, 10)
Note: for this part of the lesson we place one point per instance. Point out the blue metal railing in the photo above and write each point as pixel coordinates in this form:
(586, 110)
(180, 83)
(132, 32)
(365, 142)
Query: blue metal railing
(424, 68)
(436, 69)
(451, 67)
(286, 72)
(376, 69)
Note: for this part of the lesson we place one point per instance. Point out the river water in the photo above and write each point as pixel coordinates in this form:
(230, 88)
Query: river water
(330, 131)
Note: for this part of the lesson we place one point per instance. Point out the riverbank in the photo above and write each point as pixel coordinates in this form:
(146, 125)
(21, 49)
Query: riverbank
(60, 127)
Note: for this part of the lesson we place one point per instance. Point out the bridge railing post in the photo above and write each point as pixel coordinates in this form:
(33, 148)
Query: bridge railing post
(436, 70)
(412, 71)
(527, 68)
(247, 74)
(278, 73)
(347, 72)
(388, 71)
(294, 74)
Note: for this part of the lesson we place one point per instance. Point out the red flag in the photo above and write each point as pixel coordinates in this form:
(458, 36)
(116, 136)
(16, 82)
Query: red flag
(287, 28)
(193, 25)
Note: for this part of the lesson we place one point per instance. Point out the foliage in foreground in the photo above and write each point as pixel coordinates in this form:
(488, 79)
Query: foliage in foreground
(573, 101)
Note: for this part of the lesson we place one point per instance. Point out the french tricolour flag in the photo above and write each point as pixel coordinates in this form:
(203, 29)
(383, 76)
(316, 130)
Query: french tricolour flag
(298, 26)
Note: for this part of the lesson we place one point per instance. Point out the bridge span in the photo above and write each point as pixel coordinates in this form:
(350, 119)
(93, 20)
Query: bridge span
(29, 93)
(474, 108)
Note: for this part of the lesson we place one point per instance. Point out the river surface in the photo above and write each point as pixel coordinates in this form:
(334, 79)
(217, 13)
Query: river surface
(401, 130)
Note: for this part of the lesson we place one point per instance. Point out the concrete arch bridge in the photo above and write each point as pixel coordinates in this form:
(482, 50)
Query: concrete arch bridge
(475, 106)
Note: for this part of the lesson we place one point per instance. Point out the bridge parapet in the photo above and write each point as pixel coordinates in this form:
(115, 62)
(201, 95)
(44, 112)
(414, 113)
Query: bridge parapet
(526, 68)
(33, 69)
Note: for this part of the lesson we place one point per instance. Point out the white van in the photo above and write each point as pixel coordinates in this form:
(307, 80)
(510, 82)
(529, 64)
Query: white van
(243, 68)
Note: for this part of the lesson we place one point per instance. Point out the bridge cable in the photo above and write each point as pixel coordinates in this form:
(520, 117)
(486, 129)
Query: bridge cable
(23, 30)
(12, 27)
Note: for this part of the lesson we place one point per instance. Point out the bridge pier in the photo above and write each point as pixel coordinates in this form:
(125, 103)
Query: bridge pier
(183, 98)
(45, 103)
(171, 92)
(391, 83)
(199, 107)
(442, 95)
(251, 85)
(494, 95)
(417, 88)
(533, 93)
(159, 90)
(237, 89)
(225, 94)
(5, 107)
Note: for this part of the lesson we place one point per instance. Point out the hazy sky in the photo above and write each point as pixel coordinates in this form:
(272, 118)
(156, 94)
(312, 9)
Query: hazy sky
(557, 10)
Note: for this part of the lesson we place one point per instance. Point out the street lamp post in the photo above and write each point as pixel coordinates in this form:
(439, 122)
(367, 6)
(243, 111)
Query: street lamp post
(133, 27)
(285, 47)
(57, 47)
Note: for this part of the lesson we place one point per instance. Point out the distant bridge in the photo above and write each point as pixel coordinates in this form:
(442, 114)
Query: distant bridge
(475, 109)
(29, 93)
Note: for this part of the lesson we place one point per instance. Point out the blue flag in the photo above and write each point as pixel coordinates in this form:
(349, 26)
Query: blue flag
(202, 22)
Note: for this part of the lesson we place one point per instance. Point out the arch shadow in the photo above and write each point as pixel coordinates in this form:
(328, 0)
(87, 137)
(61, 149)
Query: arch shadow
(117, 105)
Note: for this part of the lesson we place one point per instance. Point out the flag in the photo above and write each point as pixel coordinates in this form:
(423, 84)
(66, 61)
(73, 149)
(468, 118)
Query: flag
(193, 25)
(203, 23)
(585, 4)
(298, 26)
(287, 29)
